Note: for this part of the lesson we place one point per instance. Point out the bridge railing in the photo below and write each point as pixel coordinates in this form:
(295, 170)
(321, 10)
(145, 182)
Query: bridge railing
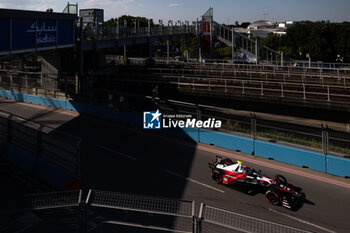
(112, 33)
(253, 48)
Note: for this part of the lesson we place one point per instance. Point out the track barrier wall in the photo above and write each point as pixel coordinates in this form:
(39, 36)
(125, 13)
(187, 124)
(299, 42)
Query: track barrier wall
(303, 158)
(294, 156)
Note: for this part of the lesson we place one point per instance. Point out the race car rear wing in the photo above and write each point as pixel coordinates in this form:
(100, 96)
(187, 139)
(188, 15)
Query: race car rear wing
(218, 160)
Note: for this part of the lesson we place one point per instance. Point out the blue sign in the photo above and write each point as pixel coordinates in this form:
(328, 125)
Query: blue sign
(35, 33)
(152, 120)
(4, 38)
(66, 32)
(46, 32)
(21, 38)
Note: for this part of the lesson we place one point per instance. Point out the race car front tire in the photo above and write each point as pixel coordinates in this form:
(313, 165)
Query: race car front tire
(272, 197)
(217, 177)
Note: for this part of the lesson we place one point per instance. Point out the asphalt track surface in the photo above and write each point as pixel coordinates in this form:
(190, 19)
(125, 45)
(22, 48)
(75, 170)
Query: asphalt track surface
(123, 159)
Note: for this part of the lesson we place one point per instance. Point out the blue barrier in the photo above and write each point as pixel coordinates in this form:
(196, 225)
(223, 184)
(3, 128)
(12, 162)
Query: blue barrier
(50, 102)
(298, 157)
(13, 95)
(227, 141)
(338, 166)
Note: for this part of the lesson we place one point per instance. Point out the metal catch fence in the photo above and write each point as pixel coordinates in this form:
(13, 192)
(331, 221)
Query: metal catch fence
(212, 219)
(102, 211)
(142, 212)
(44, 212)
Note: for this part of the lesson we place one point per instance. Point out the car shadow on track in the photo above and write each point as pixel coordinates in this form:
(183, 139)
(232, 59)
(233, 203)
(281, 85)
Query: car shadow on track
(253, 191)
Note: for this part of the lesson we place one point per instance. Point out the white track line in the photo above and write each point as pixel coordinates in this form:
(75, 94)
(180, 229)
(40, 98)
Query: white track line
(117, 153)
(302, 221)
(194, 181)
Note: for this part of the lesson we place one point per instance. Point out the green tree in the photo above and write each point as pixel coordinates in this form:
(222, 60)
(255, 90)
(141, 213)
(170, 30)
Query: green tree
(323, 41)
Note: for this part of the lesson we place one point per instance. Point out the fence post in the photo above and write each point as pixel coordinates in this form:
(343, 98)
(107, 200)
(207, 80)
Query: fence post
(82, 217)
(195, 228)
(325, 140)
(26, 81)
(41, 80)
(262, 88)
(199, 116)
(253, 126)
(328, 94)
(304, 92)
(11, 82)
(200, 217)
(76, 84)
(282, 95)
(9, 127)
(325, 145)
(39, 145)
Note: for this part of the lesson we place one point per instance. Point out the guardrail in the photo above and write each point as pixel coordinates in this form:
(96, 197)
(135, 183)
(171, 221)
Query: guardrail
(71, 212)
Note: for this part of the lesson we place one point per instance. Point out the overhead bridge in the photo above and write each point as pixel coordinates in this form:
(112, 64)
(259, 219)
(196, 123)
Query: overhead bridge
(33, 31)
(121, 35)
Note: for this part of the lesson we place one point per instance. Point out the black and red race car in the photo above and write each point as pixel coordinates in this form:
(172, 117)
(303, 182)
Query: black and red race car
(277, 190)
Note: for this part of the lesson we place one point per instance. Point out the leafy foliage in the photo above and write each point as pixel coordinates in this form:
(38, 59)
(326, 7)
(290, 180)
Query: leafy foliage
(129, 21)
(323, 41)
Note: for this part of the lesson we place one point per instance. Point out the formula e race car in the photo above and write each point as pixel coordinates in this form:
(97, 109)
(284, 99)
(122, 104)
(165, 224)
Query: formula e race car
(277, 191)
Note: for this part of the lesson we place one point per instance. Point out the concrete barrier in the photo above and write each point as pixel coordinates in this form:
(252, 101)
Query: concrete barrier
(338, 166)
(294, 156)
(227, 141)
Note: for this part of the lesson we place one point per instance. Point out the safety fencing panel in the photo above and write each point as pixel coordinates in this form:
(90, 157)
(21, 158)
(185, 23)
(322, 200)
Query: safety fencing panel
(129, 213)
(43, 152)
(61, 149)
(212, 219)
(48, 212)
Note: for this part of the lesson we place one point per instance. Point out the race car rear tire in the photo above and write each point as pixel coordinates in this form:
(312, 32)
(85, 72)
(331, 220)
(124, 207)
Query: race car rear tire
(217, 177)
(280, 179)
(272, 197)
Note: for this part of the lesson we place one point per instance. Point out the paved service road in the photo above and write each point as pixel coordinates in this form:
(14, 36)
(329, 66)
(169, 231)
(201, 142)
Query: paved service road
(122, 159)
